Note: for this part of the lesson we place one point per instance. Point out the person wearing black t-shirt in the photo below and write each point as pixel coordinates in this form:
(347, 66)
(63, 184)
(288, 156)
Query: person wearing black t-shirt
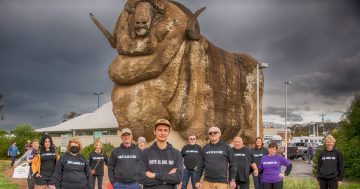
(191, 153)
(330, 166)
(96, 162)
(258, 152)
(244, 160)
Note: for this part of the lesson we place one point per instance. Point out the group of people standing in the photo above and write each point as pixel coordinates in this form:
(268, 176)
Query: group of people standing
(161, 166)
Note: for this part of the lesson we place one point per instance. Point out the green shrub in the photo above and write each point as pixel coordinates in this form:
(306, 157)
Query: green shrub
(107, 148)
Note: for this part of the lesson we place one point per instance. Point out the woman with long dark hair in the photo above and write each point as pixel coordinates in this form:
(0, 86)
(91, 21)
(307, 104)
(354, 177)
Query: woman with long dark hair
(258, 152)
(43, 165)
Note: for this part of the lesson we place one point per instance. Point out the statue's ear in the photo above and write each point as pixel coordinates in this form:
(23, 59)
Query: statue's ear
(193, 29)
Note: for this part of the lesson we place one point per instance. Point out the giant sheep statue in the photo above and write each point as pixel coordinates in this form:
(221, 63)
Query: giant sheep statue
(166, 69)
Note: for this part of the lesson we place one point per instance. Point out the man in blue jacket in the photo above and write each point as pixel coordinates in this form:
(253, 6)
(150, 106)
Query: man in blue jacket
(13, 151)
(161, 164)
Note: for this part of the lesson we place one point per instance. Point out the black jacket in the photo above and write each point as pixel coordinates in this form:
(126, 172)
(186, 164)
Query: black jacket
(330, 165)
(123, 164)
(72, 172)
(258, 154)
(244, 159)
(192, 154)
(217, 162)
(160, 162)
(48, 162)
(97, 161)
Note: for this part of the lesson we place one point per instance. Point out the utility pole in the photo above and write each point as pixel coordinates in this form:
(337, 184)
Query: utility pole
(98, 98)
(323, 123)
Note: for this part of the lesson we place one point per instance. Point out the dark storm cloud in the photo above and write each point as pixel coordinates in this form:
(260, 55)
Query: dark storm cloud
(291, 115)
(53, 58)
(334, 80)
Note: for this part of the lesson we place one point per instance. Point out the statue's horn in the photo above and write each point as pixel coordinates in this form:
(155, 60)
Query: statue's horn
(106, 33)
(193, 29)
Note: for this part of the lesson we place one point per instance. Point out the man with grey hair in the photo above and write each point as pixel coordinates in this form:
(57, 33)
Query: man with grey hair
(244, 160)
(124, 162)
(141, 143)
(218, 161)
(192, 154)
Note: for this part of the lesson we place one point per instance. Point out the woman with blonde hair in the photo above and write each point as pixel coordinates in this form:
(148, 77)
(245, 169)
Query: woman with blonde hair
(72, 170)
(28, 156)
(96, 162)
(330, 165)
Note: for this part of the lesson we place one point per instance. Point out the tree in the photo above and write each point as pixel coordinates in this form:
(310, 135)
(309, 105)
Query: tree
(348, 139)
(23, 133)
(69, 115)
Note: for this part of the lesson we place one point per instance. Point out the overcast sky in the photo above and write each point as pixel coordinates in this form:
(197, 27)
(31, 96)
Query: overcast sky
(53, 58)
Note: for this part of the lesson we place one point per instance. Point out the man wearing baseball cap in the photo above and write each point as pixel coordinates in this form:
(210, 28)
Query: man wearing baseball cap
(124, 162)
(161, 164)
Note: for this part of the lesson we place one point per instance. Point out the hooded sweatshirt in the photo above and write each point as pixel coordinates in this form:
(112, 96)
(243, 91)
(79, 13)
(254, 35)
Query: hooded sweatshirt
(123, 164)
(330, 165)
(72, 172)
(160, 162)
(192, 154)
(218, 161)
(96, 161)
(244, 159)
(258, 153)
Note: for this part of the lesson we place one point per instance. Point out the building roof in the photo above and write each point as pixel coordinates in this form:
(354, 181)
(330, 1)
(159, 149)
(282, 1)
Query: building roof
(102, 118)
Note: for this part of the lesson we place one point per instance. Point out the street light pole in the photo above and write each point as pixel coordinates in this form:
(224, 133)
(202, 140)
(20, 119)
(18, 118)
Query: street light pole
(258, 66)
(98, 97)
(323, 123)
(286, 137)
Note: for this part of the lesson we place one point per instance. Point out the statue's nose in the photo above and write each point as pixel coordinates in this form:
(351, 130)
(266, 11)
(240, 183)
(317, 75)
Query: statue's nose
(141, 21)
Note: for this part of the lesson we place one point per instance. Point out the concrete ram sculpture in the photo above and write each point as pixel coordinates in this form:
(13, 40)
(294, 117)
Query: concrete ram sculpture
(166, 69)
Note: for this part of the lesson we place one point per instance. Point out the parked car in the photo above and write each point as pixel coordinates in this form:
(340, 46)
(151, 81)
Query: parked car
(302, 149)
(292, 152)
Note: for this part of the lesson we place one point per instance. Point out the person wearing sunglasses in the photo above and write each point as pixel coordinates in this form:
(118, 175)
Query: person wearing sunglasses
(72, 170)
(191, 153)
(218, 162)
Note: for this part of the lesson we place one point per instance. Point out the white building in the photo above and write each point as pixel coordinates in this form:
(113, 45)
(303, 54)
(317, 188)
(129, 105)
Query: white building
(87, 127)
(100, 124)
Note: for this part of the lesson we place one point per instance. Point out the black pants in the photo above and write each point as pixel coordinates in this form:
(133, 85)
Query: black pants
(276, 185)
(31, 183)
(242, 185)
(99, 180)
(328, 183)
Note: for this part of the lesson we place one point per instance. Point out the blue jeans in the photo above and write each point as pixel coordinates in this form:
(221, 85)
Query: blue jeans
(186, 176)
(99, 180)
(257, 182)
(119, 185)
(13, 158)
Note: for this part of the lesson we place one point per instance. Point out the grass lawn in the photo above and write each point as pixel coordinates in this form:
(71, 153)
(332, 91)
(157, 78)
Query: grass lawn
(311, 183)
(4, 179)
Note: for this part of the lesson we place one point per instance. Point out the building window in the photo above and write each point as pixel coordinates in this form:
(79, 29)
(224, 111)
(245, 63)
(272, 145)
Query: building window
(109, 132)
(83, 133)
(55, 134)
